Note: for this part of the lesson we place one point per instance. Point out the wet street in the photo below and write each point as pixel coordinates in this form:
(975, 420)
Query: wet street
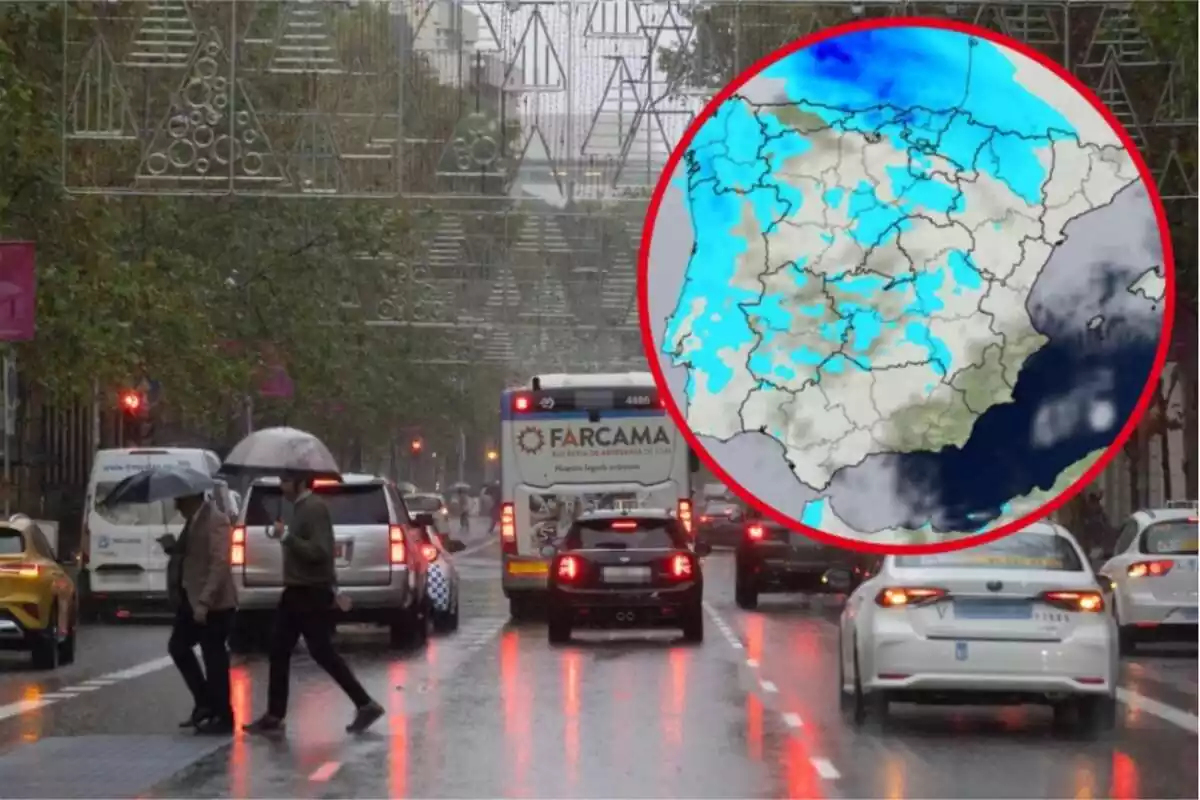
(493, 710)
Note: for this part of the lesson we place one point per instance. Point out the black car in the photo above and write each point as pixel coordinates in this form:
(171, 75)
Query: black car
(720, 523)
(773, 558)
(626, 569)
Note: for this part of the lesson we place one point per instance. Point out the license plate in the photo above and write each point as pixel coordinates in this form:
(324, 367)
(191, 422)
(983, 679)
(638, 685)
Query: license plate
(626, 574)
(992, 609)
(1188, 614)
(528, 568)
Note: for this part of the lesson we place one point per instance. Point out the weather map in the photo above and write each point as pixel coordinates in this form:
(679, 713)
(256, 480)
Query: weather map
(906, 283)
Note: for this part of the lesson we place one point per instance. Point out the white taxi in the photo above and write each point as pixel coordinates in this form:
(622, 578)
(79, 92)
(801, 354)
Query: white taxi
(1019, 620)
(1153, 573)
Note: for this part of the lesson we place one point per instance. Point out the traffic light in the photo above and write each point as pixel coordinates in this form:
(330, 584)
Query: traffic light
(132, 403)
(416, 446)
(492, 455)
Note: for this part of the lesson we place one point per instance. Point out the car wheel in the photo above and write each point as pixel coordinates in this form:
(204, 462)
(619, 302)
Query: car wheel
(744, 592)
(411, 630)
(1095, 715)
(66, 648)
(693, 625)
(865, 707)
(45, 648)
(558, 629)
(521, 608)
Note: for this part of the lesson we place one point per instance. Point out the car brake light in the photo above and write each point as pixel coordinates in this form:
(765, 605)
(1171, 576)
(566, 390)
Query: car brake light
(1074, 601)
(396, 544)
(508, 529)
(324, 483)
(1153, 569)
(237, 550)
(568, 568)
(624, 525)
(521, 402)
(685, 514)
(896, 596)
(21, 570)
(705, 518)
(756, 533)
(681, 566)
(430, 552)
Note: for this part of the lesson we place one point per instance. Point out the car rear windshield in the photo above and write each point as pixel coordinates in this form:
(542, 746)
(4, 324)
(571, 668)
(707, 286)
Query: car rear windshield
(348, 505)
(12, 543)
(627, 534)
(422, 502)
(161, 512)
(1176, 537)
(1015, 551)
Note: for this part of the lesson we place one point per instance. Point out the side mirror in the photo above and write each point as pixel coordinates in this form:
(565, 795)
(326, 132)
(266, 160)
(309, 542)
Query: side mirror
(702, 548)
(424, 520)
(454, 545)
(548, 551)
(837, 579)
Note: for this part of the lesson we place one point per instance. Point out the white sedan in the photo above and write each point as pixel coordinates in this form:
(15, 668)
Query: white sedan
(1019, 620)
(1153, 572)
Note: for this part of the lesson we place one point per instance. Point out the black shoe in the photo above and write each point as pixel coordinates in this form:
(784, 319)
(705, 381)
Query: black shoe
(365, 717)
(215, 726)
(264, 724)
(198, 716)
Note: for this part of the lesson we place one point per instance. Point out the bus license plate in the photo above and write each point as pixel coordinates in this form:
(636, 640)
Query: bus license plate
(626, 574)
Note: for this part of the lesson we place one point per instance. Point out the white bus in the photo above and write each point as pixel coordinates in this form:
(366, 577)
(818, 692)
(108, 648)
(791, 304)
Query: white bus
(575, 443)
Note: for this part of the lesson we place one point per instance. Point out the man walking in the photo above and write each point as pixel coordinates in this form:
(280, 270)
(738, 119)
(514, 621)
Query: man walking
(306, 609)
(201, 583)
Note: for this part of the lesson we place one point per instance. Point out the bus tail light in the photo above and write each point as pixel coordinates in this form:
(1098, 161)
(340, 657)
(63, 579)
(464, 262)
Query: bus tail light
(685, 514)
(508, 529)
(237, 550)
(396, 547)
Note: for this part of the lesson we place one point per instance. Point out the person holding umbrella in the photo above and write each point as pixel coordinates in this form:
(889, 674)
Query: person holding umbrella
(199, 584)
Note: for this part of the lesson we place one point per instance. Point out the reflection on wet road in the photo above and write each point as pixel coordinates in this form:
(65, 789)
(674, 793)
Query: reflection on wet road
(493, 710)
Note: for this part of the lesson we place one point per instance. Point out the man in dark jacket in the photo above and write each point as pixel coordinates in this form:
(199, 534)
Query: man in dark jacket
(306, 609)
(200, 583)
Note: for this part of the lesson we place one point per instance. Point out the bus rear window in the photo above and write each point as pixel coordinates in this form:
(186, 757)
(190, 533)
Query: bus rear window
(627, 534)
(348, 505)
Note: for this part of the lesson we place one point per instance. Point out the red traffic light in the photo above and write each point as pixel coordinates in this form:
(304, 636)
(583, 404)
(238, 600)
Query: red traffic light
(416, 445)
(131, 402)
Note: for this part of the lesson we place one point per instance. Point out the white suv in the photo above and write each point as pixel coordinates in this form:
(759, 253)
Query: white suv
(380, 564)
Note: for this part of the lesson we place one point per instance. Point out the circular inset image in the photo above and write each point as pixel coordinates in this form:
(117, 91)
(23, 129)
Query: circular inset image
(907, 285)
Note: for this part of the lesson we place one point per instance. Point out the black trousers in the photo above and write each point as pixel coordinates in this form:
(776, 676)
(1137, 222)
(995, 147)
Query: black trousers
(210, 686)
(307, 611)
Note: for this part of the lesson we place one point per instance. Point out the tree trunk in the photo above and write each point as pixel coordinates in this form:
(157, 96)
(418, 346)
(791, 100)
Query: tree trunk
(1162, 397)
(1133, 462)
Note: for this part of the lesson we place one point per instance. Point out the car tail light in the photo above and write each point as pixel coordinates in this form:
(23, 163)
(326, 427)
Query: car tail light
(324, 483)
(1152, 569)
(1074, 600)
(681, 567)
(896, 596)
(399, 553)
(756, 533)
(508, 529)
(21, 570)
(685, 514)
(624, 525)
(237, 550)
(705, 518)
(568, 569)
(430, 552)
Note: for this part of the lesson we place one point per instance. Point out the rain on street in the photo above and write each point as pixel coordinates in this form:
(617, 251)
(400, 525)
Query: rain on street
(494, 710)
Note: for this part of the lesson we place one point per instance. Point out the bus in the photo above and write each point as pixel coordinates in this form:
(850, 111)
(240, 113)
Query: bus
(577, 443)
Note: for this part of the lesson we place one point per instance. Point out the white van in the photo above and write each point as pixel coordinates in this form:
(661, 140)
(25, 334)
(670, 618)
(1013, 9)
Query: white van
(125, 566)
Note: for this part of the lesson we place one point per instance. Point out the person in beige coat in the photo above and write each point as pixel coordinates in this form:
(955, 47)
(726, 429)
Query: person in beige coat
(201, 583)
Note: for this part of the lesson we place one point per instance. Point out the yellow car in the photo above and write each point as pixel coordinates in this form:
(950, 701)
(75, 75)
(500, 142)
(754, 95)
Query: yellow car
(39, 604)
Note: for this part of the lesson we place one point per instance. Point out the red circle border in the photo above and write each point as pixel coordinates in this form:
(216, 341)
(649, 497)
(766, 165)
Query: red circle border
(1147, 178)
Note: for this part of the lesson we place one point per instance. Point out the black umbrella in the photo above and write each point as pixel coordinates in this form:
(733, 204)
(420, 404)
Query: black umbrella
(159, 483)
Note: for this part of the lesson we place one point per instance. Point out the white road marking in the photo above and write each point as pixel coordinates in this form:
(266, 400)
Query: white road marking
(99, 682)
(752, 663)
(57, 696)
(825, 768)
(1176, 716)
(325, 771)
(139, 670)
(22, 707)
(81, 688)
(793, 720)
(767, 686)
